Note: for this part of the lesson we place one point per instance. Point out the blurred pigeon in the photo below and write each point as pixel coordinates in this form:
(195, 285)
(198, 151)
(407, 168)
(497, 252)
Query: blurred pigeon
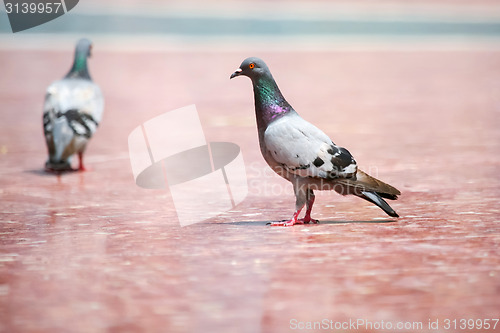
(301, 153)
(72, 111)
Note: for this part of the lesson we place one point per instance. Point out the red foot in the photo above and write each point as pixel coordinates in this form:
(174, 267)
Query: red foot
(293, 221)
(286, 223)
(289, 223)
(83, 168)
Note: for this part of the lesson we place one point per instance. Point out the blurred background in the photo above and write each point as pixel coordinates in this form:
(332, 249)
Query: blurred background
(412, 89)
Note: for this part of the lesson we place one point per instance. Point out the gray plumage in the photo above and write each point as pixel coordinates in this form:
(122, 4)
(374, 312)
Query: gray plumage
(301, 153)
(72, 111)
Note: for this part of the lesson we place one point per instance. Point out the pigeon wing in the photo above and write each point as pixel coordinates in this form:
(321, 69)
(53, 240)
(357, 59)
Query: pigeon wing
(303, 149)
(80, 101)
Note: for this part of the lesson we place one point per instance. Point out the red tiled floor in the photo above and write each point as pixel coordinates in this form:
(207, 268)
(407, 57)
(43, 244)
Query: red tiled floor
(91, 252)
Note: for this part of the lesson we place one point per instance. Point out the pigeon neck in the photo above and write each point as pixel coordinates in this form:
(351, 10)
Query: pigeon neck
(269, 102)
(79, 68)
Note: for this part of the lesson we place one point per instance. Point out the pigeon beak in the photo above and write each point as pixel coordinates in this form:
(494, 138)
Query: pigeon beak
(236, 73)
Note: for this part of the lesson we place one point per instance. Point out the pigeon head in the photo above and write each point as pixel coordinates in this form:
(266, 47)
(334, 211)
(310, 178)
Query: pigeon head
(269, 102)
(253, 68)
(83, 51)
(83, 48)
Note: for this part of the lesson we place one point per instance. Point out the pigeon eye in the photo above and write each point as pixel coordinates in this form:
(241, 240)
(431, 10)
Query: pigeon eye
(251, 66)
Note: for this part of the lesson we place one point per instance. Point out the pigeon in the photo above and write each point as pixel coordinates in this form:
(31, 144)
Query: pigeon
(72, 111)
(304, 155)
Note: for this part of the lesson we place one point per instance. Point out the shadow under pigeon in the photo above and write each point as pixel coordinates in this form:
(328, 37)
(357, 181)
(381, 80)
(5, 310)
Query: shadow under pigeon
(360, 221)
(43, 172)
(267, 223)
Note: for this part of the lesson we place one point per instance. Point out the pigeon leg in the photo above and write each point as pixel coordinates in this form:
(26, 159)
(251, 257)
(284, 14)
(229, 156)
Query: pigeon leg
(81, 167)
(301, 196)
(309, 205)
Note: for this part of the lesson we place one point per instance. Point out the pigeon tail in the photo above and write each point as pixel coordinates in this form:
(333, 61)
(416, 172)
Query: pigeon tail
(372, 190)
(372, 184)
(377, 200)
